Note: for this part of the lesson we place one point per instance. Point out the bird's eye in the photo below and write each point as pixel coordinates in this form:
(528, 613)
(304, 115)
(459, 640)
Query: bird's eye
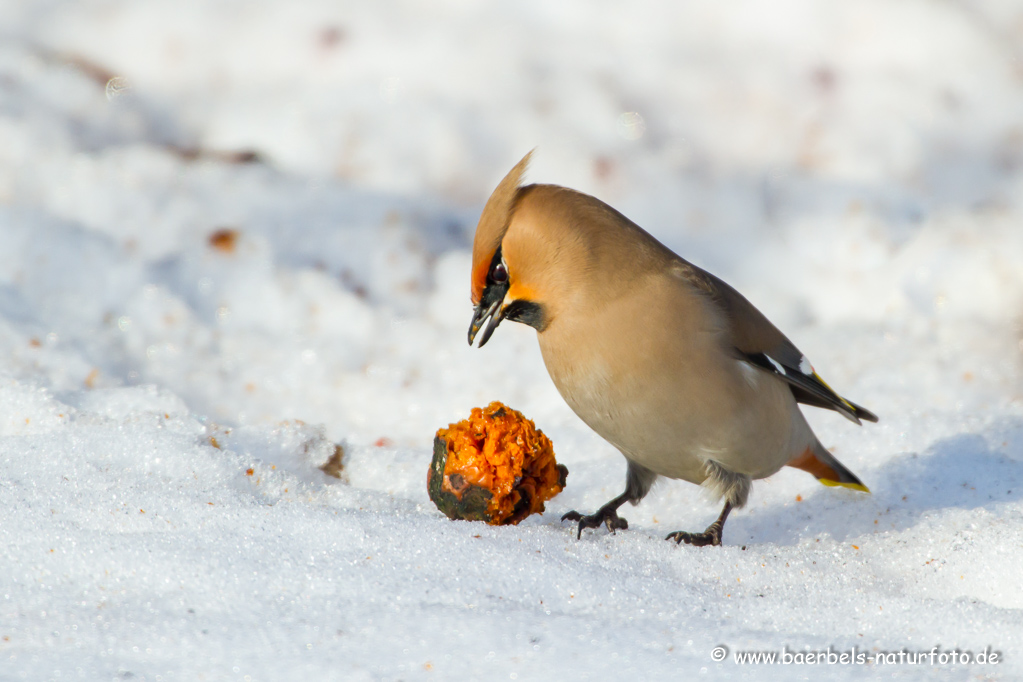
(499, 274)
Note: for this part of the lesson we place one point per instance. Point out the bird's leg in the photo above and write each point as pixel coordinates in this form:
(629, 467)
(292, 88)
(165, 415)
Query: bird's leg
(606, 515)
(711, 536)
(638, 480)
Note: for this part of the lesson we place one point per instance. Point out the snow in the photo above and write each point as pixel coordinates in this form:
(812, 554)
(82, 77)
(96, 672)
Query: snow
(856, 169)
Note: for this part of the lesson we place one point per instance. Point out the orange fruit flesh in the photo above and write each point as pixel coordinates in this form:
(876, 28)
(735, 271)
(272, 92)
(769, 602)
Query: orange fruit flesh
(500, 450)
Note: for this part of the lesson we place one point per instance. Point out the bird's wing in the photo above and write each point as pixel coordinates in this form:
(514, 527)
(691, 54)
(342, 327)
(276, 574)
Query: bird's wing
(760, 343)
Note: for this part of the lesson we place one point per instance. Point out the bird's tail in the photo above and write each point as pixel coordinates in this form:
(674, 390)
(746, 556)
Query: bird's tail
(816, 460)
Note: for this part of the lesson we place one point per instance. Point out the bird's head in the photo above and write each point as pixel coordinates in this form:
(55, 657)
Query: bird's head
(544, 252)
(507, 265)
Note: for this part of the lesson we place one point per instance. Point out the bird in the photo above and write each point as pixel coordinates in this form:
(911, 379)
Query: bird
(666, 362)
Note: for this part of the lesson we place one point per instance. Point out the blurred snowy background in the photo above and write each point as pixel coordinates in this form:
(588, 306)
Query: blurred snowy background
(234, 234)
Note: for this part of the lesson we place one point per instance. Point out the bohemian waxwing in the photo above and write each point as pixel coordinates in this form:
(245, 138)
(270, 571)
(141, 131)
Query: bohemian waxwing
(665, 361)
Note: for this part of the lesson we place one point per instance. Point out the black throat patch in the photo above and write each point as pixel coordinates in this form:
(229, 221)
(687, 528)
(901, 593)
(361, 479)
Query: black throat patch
(527, 312)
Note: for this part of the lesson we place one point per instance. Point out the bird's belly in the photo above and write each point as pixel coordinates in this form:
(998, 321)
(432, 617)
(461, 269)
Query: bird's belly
(663, 422)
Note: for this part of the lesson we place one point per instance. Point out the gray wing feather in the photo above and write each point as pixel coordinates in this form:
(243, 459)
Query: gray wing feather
(760, 343)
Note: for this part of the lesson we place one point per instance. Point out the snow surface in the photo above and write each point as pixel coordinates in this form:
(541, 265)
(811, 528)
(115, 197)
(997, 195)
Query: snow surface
(856, 169)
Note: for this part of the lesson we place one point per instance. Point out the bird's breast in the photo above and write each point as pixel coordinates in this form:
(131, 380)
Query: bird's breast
(658, 386)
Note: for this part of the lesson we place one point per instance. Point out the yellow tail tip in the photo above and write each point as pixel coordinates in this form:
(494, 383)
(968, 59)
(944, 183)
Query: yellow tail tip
(850, 406)
(838, 484)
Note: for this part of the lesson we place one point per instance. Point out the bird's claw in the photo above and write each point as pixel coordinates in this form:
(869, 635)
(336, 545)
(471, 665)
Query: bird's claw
(607, 516)
(708, 537)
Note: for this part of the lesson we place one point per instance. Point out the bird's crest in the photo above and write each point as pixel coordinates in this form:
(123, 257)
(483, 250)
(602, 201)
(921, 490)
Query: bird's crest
(492, 226)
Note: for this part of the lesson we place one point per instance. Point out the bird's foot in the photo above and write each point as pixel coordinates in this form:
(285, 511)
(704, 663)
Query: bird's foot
(711, 536)
(696, 539)
(606, 515)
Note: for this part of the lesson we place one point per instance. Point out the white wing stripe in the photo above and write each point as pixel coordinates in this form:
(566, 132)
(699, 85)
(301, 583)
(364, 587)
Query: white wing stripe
(777, 365)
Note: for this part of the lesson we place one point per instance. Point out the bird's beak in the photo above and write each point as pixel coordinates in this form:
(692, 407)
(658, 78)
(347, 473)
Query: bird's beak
(489, 306)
